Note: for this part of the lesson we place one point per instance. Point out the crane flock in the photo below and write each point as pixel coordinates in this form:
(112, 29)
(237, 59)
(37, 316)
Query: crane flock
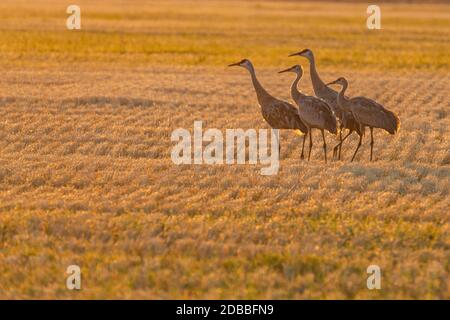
(328, 110)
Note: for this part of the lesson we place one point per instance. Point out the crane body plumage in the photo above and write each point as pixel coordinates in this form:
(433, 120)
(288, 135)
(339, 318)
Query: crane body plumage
(315, 112)
(372, 114)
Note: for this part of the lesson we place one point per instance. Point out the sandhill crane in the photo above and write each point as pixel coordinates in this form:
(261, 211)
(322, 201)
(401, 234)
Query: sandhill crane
(321, 90)
(278, 114)
(314, 112)
(368, 113)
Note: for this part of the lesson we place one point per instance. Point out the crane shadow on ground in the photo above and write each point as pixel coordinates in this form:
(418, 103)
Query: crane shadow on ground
(418, 177)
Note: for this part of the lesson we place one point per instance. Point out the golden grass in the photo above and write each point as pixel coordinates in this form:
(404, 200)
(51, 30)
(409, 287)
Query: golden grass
(86, 176)
(210, 33)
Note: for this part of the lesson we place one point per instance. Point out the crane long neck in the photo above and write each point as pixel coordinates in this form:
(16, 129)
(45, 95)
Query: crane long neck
(341, 99)
(315, 78)
(261, 93)
(295, 93)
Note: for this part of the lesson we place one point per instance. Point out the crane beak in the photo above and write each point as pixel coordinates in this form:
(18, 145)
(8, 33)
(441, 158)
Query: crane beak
(298, 53)
(234, 64)
(330, 83)
(286, 70)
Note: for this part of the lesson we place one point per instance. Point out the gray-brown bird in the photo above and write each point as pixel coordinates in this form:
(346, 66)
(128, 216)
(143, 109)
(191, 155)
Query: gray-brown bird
(321, 90)
(279, 114)
(367, 113)
(313, 111)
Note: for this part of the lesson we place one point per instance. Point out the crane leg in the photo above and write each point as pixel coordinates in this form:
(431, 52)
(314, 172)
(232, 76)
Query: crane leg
(359, 144)
(324, 146)
(340, 141)
(310, 143)
(371, 143)
(338, 146)
(303, 146)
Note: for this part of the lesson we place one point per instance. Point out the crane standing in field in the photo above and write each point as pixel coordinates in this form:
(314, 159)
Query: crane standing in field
(367, 112)
(321, 90)
(314, 112)
(278, 114)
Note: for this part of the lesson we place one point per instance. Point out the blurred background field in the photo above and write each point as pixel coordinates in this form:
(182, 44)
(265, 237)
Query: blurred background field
(142, 33)
(86, 176)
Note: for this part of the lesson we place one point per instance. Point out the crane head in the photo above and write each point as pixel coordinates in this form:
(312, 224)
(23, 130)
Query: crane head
(342, 81)
(307, 53)
(243, 63)
(296, 69)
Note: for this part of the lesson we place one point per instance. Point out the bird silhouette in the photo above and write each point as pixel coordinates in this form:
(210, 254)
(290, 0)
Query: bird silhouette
(313, 111)
(278, 114)
(367, 113)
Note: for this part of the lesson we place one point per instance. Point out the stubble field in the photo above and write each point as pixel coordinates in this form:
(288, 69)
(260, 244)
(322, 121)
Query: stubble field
(86, 176)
